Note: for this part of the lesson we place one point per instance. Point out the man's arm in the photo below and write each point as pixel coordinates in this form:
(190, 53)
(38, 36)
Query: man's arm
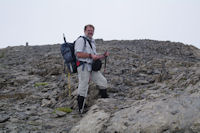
(79, 44)
(83, 55)
(86, 55)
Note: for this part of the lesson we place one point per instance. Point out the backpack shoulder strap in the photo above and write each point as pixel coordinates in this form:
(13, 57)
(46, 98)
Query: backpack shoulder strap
(84, 42)
(85, 39)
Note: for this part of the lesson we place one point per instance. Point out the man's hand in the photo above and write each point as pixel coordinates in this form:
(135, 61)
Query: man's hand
(95, 57)
(106, 54)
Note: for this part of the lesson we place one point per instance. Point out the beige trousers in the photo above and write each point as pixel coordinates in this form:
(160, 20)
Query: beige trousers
(84, 77)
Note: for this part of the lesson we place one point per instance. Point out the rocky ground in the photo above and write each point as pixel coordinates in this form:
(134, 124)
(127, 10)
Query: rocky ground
(154, 87)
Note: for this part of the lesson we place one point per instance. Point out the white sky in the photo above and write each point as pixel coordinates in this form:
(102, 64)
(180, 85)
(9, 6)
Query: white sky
(43, 21)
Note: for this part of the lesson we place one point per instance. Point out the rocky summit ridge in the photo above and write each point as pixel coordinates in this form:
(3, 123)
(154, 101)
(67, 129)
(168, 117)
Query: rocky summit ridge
(154, 87)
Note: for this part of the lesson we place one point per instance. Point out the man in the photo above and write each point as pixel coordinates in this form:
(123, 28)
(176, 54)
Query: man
(87, 54)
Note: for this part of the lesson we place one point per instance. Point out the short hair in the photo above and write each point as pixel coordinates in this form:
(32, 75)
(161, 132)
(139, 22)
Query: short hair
(89, 25)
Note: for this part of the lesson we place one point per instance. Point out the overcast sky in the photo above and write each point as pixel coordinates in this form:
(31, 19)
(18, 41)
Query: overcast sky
(43, 21)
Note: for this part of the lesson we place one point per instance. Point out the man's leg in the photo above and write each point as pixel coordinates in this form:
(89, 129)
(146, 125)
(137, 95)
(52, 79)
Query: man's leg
(83, 77)
(101, 81)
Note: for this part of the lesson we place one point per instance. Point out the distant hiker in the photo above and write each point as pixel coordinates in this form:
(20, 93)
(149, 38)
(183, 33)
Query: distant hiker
(86, 55)
(26, 44)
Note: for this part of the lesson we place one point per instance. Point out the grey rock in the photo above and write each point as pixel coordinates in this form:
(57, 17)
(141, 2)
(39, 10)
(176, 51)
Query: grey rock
(142, 82)
(58, 113)
(93, 122)
(22, 116)
(4, 118)
(45, 102)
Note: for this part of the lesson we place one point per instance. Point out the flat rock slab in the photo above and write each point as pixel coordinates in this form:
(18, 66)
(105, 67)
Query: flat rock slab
(181, 114)
(58, 113)
(93, 122)
(4, 118)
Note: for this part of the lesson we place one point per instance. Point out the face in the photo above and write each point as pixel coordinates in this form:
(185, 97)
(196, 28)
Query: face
(89, 32)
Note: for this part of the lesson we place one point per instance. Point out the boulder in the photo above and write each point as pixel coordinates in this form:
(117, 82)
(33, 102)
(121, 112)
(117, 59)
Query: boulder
(93, 122)
(181, 114)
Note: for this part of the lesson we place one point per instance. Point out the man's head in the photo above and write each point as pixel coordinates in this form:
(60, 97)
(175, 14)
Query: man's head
(89, 30)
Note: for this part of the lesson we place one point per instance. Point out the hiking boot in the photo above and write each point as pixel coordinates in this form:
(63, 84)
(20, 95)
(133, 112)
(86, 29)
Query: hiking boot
(103, 93)
(80, 100)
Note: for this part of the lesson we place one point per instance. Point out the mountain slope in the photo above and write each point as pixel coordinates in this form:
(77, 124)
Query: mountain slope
(153, 87)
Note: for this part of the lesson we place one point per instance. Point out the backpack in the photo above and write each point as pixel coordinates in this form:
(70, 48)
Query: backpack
(67, 51)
